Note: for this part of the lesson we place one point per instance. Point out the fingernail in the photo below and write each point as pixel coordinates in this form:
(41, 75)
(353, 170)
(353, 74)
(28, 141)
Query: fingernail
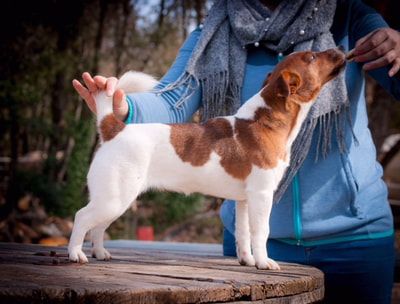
(390, 73)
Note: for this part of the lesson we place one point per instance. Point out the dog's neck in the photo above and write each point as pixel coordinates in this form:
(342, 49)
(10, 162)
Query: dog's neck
(278, 115)
(289, 111)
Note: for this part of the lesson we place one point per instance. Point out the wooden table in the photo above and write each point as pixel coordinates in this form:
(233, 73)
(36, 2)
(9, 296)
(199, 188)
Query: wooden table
(149, 272)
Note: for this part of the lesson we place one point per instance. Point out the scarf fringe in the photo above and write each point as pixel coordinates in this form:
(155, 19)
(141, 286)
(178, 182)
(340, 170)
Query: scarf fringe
(330, 124)
(297, 156)
(186, 82)
(337, 120)
(219, 96)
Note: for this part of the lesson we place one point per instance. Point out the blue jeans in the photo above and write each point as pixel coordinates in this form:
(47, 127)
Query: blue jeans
(355, 272)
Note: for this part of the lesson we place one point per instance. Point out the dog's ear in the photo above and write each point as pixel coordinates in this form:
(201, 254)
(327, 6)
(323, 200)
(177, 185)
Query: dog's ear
(287, 83)
(266, 80)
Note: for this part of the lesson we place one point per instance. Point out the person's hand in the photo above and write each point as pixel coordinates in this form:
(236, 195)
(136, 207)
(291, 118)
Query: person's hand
(92, 86)
(379, 48)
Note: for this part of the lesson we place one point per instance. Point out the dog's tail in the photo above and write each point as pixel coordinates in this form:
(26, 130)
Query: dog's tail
(109, 126)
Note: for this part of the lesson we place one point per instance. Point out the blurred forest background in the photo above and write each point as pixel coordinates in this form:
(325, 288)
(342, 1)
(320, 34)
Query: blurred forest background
(47, 135)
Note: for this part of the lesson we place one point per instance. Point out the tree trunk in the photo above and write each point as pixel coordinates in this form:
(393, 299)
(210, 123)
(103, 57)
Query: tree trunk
(99, 35)
(121, 33)
(199, 8)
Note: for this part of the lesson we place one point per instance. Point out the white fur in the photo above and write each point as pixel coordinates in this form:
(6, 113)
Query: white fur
(104, 106)
(249, 108)
(304, 109)
(133, 81)
(141, 157)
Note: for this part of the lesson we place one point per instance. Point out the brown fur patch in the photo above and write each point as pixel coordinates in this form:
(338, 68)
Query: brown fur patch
(259, 142)
(110, 126)
(195, 142)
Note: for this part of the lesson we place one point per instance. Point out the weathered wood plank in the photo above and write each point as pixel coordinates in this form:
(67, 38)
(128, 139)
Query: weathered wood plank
(187, 248)
(307, 297)
(58, 282)
(36, 274)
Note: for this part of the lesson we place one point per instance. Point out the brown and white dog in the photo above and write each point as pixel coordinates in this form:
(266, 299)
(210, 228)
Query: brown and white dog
(240, 157)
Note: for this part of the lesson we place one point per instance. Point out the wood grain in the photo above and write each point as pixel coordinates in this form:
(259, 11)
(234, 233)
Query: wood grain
(37, 274)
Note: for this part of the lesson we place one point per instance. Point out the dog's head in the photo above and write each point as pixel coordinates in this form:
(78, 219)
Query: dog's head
(301, 75)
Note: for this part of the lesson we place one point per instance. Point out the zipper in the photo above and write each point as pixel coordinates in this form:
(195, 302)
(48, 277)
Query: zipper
(297, 210)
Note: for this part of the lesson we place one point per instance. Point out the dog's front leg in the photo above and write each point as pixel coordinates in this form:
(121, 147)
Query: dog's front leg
(242, 234)
(260, 205)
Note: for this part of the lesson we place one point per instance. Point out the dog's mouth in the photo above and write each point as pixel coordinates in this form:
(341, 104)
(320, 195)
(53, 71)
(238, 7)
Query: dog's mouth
(338, 68)
(337, 59)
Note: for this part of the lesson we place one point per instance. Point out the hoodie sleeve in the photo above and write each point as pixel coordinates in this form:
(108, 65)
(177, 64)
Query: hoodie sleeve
(163, 108)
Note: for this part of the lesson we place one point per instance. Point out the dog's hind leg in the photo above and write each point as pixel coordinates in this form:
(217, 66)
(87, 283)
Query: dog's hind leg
(97, 236)
(88, 218)
(242, 234)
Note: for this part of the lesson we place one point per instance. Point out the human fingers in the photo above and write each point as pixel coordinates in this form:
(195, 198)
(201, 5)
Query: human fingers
(370, 41)
(100, 81)
(362, 40)
(120, 105)
(110, 85)
(90, 84)
(85, 94)
(395, 68)
(380, 51)
(385, 60)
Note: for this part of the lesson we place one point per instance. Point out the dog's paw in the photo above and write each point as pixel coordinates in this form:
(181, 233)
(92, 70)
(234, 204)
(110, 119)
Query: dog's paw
(101, 254)
(267, 264)
(246, 259)
(77, 255)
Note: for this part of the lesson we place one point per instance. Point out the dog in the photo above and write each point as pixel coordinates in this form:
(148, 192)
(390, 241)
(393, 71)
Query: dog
(241, 157)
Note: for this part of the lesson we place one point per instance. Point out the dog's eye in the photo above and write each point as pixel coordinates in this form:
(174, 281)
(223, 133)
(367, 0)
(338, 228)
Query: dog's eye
(312, 57)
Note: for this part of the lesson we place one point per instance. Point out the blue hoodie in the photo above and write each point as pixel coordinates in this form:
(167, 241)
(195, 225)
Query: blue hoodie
(338, 198)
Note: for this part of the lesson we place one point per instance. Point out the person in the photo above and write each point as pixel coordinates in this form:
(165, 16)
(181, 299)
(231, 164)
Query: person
(332, 210)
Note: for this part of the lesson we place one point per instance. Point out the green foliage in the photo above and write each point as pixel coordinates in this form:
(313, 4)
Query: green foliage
(40, 186)
(169, 208)
(62, 199)
(73, 193)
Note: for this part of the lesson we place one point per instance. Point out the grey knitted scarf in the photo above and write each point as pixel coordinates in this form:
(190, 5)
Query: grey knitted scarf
(219, 59)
